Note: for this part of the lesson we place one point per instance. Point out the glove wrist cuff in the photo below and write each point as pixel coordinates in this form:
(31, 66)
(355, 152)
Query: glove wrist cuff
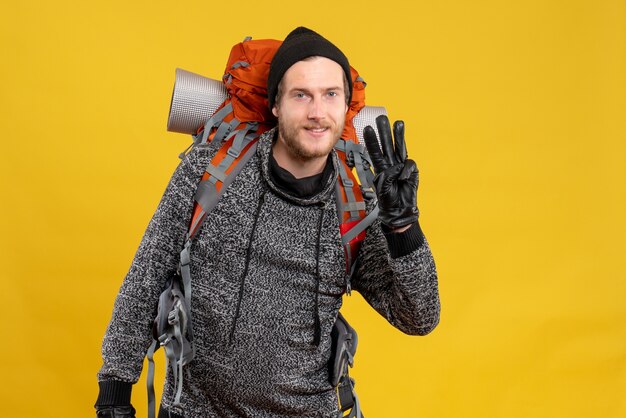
(403, 243)
(114, 393)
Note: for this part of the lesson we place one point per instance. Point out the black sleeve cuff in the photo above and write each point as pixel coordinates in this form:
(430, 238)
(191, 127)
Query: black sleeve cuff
(114, 393)
(403, 243)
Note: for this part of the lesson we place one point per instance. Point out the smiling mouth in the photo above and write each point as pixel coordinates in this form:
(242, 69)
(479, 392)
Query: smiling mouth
(316, 129)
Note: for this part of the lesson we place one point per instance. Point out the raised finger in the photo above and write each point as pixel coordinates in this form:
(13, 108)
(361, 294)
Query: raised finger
(398, 139)
(386, 141)
(371, 143)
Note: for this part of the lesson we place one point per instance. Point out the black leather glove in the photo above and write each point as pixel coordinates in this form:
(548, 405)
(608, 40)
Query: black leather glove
(115, 412)
(396, 177)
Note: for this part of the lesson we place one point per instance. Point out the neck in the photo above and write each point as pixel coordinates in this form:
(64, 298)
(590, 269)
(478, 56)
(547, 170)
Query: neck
(298, 167)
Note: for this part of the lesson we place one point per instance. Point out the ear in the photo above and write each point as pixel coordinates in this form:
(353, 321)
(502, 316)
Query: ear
(275, 111)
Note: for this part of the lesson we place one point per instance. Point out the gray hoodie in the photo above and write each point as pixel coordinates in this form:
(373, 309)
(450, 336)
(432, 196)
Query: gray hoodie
(266, 267)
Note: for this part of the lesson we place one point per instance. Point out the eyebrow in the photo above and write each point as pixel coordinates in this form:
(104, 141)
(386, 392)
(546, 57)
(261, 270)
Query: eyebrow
(307, 90)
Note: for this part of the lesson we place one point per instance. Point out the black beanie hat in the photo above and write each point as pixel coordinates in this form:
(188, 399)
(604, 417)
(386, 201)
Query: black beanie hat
(302, 43)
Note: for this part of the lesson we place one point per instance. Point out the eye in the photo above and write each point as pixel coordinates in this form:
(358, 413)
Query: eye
(332, 93)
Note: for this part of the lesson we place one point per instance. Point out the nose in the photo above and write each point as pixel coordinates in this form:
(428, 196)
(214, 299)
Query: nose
(317, 109)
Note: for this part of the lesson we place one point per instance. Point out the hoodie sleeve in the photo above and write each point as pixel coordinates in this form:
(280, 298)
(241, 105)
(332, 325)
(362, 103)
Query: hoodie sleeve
(396, 275)
(128, 334)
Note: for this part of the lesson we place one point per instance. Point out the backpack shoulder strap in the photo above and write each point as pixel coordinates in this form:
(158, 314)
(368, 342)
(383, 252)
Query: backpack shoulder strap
(351, 201)
(231, 157)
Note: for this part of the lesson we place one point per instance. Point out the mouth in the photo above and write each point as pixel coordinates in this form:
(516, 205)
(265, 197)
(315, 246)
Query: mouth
(316, 130)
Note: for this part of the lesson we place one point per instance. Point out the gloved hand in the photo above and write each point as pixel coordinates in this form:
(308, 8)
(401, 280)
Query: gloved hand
(115, 412)
(396, 177)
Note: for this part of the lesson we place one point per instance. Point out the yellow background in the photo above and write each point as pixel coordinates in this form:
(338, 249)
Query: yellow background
(515, 114)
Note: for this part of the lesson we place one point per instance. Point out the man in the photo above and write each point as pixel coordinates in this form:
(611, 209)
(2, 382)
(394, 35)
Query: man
(268, 265)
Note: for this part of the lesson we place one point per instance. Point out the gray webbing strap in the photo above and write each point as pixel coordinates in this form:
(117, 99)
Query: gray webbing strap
(206, 198)
(240, 64)
(170, 359)
(358, 155)
(341, 145)
(207, 195)
(354, 206)
(241, 139)
(185, 271)
(214, 121)
(367, 182)
(339, 199)
(196, 141)
(224, 129)
(150, 378)
(347, 185)
(219, 172)
(228, 78)
(178, 365)
(360, 226)
(348, 253)
(216, 173)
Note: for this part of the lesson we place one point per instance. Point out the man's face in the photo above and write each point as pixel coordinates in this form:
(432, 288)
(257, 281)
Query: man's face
(312, 108)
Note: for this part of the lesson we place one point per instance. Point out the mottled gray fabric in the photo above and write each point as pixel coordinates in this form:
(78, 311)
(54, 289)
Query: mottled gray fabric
(270, 368)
